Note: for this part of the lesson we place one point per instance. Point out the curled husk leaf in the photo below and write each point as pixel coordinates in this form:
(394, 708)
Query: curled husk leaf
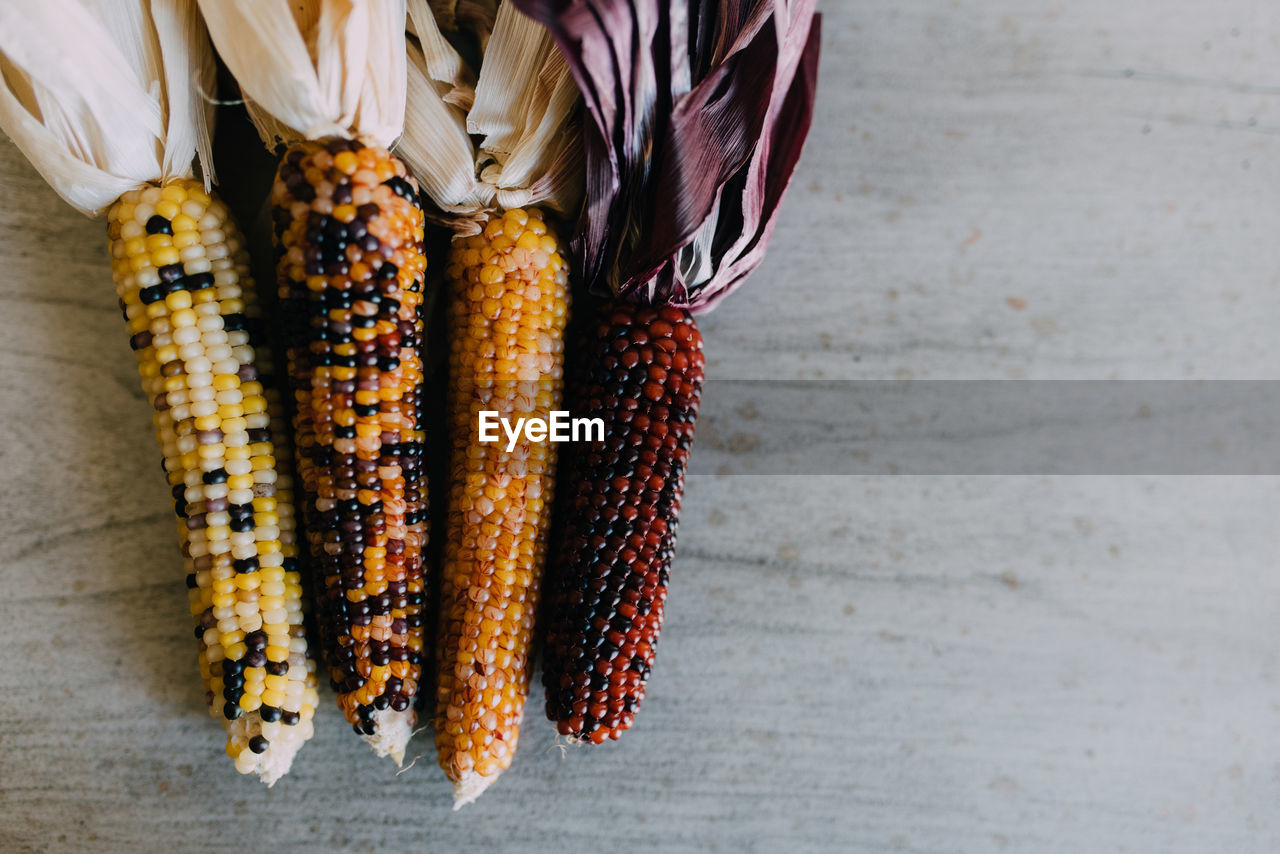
(103, 96)
(697, 113)
(502, 138)
(311, 69)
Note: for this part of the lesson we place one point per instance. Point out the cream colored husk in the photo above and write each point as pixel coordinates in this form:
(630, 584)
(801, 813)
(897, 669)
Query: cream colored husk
(315, 68)
(103, 96)
(520, 108)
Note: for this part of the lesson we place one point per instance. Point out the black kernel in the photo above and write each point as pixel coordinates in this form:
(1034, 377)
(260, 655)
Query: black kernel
(170, 273)
(159, 225)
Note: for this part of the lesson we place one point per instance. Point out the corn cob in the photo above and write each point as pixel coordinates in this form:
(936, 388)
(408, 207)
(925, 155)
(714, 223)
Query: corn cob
(349, 232)
(182, 276)
(607, 586)
(508, 304)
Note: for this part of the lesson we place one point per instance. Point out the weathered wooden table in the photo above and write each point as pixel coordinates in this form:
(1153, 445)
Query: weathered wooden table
(993, 189)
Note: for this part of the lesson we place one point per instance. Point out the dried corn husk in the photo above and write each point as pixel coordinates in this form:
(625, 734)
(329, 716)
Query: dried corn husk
(310, 69)
(698, 110)
(103, 96)
(520, 107)
(476, 16)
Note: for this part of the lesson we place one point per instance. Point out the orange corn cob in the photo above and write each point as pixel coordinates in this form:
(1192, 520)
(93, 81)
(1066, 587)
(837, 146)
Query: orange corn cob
(508, 303)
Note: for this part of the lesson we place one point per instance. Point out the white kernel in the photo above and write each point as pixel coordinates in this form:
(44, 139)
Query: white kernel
(184, 336)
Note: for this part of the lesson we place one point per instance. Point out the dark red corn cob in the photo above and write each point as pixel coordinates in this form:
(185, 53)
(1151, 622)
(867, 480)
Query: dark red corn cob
(619, 512)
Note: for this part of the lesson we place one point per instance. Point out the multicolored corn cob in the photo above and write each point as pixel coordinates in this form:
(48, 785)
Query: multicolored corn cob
(182, 275)
(642, 375)
(349, 232)
(508, 304)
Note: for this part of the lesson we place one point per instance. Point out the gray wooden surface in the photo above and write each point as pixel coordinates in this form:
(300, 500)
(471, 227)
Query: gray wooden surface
(993, 189)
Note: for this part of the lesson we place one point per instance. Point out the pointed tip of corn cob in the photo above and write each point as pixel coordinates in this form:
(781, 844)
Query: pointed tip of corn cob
(470, 786)
(275, 761)
(391, 734)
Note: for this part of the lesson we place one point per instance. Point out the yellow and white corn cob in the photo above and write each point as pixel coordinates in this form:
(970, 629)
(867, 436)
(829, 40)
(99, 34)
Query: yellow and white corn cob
(182, 274)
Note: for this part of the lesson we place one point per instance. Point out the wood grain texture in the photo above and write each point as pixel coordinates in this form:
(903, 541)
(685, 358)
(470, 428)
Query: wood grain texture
(994, 189)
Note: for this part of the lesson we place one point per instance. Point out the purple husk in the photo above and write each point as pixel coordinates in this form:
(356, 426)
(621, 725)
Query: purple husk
(697, 112)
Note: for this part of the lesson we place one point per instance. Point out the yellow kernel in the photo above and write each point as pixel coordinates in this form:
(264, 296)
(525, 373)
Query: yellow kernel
(166, 256)
(346, 161)
(178, 300)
